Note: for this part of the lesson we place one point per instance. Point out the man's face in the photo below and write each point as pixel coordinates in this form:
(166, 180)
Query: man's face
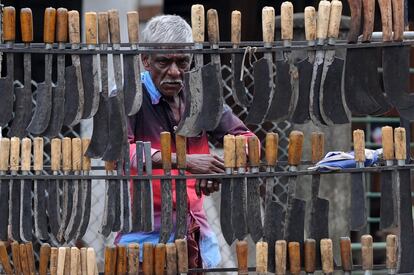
(167, 71)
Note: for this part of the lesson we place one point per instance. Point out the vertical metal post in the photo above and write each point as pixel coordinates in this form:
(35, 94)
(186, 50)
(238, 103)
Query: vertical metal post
(404, 122)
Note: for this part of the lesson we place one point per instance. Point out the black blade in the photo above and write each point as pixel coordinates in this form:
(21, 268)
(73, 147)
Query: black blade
(100, 132)
(4, 209)
(273, 229)
(126, 200)
(358, 210)
(238, 211)
(6, 88)
(118, 218)
(253, 215)
(181, 212)
(87, 193)
(132, 84)
(146, 195)
(14, 217)
(41, 225)
(22, 112)
(314, 108)
(388, 217)
(225, 211)
(239, 91)
(136, 211)
(76, 213)
(166, 211)
(89, 108)
(53, 206)
(26, 220)
(301, 113)
(57, 113)
(109, 216)
(67, 204)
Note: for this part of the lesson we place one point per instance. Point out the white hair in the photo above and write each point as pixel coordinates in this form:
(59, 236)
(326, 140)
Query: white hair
(167, 29)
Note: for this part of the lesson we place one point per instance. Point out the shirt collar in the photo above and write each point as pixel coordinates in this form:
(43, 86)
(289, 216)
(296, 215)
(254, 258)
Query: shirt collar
(153, 92)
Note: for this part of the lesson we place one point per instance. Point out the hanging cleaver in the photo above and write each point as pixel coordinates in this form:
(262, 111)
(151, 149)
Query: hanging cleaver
(181, 188)
(4, 188)
(132, 72)
(58, 91)
(90, 67)
(6, 82)
(23, 95)
(166, 189)
(15, 187)
(26, 192)
(331, 100)
(74, 92)
(52, 203)
(39, 197)
(286, 88)
(109, 204)
(41, 116)
(305, 68)
(239, 91)
(263, 72)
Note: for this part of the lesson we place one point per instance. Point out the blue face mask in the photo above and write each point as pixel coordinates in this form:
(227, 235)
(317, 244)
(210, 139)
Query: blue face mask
(150, 86)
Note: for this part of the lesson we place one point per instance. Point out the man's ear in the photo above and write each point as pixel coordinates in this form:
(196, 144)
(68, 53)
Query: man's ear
(146, 61)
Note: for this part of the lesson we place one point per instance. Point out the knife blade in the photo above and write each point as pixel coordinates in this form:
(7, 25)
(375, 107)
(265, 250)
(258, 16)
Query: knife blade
(137, 189)
(53, 201)
(26, 192)
(327, 256)
(109, 205)
(391, 254)
(4, 188)
(346, 255)
(15, 187)
(166, 189)
(147, 194)
(181, 188)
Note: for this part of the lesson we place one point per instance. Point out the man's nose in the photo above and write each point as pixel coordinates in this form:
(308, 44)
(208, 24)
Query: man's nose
(173, 70)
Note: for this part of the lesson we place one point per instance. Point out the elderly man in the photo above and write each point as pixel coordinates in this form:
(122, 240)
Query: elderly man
(162, 109)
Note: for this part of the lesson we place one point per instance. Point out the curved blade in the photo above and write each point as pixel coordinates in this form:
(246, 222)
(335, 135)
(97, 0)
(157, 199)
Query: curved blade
(90, 80)
(86, 201)
(388, 217)
(22, 112)
(225, 211)
(14, 217)
(40, 119)
(314, 108)
(53, 206)
(132, 85)
(6, 91)
(39, 205)
(305, 67)
(76, 213)
(100, 132)
(239, 92)
(109, 208)
(73, 97)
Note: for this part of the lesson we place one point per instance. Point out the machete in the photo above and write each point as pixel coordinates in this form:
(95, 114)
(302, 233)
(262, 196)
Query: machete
(41, 116)
(100, 131)
(26, 192)
(319, 208)
(4, 188)
(74, 92)
(263, 72)
(109, 204)
(358, 208)
(15, 186)
(39, 197)
(391, 254)
(147, 219)
(58, 91)
(327, 257)
(132, 73)
(346, 255)
(331, 101)
(53, 204)
(253, 215)
(125, 191)
(136, 207)
(404, 209)
(388, 217)
(280, 257)
(324, 9)
(294, 254)
(229, 147)
(166, 189)
(286, 87)
(181, 188)
(238, 191)
(261, 258)
(242, 252)
(118, 199)
(90, 67)
(23, 95)
(309, 254)
(239, 91)
(6, 83)
(305, 68)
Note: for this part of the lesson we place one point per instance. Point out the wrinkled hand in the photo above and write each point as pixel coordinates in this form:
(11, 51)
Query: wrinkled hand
(206, 187)
(205, 164)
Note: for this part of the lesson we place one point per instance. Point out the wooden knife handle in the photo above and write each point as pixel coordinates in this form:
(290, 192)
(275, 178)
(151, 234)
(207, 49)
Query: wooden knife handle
(369, 16)
(133, 258)
(229, 146)
(66, 154)
(327, 256)
(4, 258)
(9, 24)
(86, 161)
(16, 257)
(268, 24)
(240, 151)
(271, 148)
(335, 19)
(38, 154)
(61, 261)
(73, 23)
(235, 27)
(109, 166)
(121, 260)
(26, 154)
(213, 26)
(103, 30)
(197, 23)
(294, 257)
(391, 251)
(56, 153)
(356, 7)
(49, 25)
(114, 30)
(91, 25)
(148, 259)
(110, 260)
(398, 19)
(388, 142)
(44, 258)
(346, 254)
(310, 23)
(400, 143)
(26, 25)
(366, 252)
(30, 257)
(286, 20)
(74, 260)
(386, 19)
(318, 144)
(166, 150)
(68, 259)
(14, 153)
(310, 255)
(181, 151)
(242, 251)
(324, 10)
(76, 154)
(53, 260)
(62, 25)
(182, 255)
(171, 258)
(159, 259)
(4, 154)
(24, 261)
(280, 257)
(295, 148)
(254, 154)
(133, 26)
(91, 261)
(261, 257)
(359, 145)
(83, 260)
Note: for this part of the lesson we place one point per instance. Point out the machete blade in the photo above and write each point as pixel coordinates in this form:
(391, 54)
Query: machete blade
(237, 85)
(253, 209)
(109, 205)
(72, 100)
(4, 188)
(305, 68)
(147, 219)
(136, 207)
(90, 77)
(132, 84)
(388, 218)
(6, 88)
(40, 119)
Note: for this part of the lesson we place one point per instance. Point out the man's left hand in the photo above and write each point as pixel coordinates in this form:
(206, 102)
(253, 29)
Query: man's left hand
(206, 187)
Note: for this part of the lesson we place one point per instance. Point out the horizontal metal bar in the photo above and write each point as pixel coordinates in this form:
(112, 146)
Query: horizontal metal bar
(375, 245)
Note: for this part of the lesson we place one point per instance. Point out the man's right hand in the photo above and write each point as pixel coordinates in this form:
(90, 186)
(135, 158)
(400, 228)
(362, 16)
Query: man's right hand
(205, 164)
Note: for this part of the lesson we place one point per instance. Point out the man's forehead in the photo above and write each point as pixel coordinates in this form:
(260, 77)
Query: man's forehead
(172, 55)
